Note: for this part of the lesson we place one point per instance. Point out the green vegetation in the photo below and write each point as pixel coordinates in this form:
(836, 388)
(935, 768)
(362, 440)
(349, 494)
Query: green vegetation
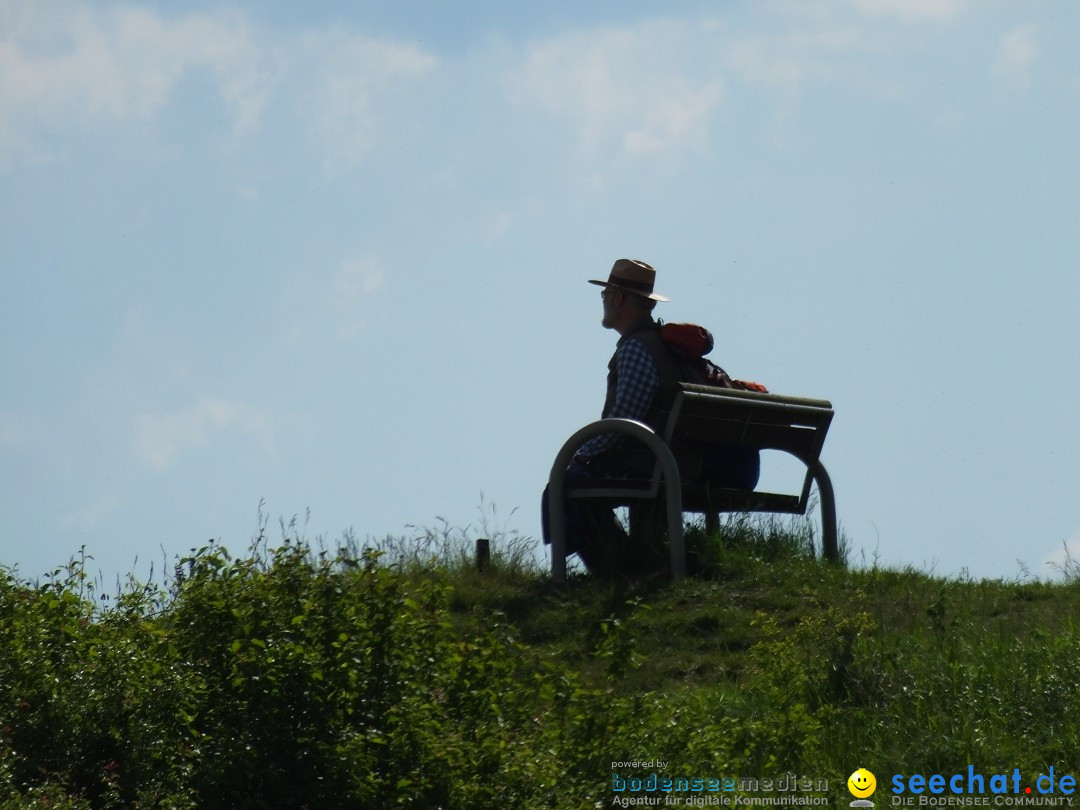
(403, 677)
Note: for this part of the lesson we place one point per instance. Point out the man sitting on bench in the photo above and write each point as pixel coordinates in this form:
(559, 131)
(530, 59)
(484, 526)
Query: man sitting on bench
(641, 377)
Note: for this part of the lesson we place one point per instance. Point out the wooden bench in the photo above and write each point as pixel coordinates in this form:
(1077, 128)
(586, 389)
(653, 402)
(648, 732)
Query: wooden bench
(704, 415)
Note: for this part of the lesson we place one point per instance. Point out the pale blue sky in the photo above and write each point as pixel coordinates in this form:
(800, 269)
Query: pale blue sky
(334, 256)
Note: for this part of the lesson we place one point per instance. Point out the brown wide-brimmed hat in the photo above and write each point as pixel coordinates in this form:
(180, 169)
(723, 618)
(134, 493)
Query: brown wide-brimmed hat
(632, 276)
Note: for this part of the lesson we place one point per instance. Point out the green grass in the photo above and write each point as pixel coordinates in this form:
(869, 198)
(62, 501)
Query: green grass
(400, 676)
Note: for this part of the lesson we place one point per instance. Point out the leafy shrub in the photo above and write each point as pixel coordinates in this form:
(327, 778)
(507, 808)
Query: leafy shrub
(87, 701)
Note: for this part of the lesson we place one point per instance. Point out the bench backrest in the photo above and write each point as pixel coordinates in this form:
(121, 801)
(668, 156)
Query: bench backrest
(708, 415)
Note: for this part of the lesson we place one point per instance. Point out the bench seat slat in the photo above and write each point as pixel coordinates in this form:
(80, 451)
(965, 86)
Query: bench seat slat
(739, 413)
(799, 441)
(696, 498)
(755, 396)
(699, 499)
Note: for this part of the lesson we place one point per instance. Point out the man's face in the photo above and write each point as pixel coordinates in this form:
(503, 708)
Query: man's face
(611, 298)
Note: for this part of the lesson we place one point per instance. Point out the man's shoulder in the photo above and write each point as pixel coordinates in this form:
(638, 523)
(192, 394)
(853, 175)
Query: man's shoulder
(635, 352)
(634, 344)
(646, 337)
(646, 345)
(645, 332)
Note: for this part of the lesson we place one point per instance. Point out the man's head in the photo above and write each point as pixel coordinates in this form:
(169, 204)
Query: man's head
(628, 293)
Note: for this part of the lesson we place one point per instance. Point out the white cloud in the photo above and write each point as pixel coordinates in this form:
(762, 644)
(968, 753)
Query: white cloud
(66, 65)
(907, 11)
(495, 224)
(1018, 51)
(162, 437)
(627, 89)
(356, 280)
(913, 11)
(92, 514)
(787, 64)
(659, 86)
(331, 303)
(349, 73)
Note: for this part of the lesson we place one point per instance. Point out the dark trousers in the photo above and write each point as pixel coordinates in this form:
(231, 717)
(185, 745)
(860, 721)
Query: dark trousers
(591, 528)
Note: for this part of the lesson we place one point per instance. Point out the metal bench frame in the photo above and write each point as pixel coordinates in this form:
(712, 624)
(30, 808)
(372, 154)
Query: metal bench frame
(705, 415)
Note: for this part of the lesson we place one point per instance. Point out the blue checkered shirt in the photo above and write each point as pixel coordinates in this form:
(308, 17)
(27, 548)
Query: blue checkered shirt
(637, 381)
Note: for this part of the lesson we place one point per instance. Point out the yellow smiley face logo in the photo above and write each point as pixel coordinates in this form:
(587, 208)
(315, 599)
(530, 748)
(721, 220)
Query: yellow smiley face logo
(862, 783)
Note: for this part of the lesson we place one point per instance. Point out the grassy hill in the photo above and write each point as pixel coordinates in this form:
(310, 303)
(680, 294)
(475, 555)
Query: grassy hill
(297, 676)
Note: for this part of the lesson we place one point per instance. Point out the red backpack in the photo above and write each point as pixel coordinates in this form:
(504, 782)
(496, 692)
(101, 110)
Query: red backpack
(690, 343)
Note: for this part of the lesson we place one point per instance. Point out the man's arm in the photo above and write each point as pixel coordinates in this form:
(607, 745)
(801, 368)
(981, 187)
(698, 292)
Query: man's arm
(638, 381)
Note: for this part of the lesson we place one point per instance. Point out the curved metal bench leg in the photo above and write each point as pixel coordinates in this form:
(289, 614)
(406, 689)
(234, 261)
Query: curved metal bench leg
(557, 490)
(675, 521)
(829, 543)
(557, 515)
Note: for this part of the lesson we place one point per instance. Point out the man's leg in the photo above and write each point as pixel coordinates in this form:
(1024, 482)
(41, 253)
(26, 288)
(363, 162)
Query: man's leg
(635, 551)
(592, 532)
(647, 542)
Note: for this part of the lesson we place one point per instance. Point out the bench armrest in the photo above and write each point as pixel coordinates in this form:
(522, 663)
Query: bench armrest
(557, 489)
